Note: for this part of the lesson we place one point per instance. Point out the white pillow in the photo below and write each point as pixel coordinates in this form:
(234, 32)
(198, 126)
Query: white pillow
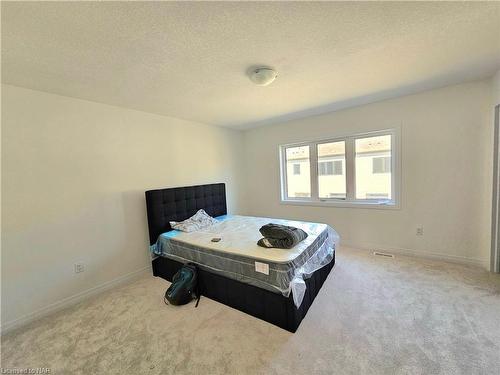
(198, 221)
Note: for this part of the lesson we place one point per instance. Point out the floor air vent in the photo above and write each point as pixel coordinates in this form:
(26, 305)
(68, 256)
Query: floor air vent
(386, 255)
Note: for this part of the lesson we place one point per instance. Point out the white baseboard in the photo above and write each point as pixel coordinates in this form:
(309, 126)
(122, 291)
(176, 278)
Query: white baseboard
(72, 300)
(483, 263)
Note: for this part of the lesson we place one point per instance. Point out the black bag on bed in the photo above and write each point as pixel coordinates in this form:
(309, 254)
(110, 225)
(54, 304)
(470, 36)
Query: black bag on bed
(184, 287)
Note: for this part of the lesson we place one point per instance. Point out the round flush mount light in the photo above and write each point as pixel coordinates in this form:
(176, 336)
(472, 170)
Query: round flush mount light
(263, 76)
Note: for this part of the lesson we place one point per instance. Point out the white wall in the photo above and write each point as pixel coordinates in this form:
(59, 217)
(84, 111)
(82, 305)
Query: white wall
(496, 88)
(446, 173)
(74, 176)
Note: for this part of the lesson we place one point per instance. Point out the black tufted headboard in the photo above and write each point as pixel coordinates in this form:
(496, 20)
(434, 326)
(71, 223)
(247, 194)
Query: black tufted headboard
(177, 204)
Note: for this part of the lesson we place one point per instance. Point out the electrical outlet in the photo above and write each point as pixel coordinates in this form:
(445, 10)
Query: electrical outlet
(79, 267)
(420, 231)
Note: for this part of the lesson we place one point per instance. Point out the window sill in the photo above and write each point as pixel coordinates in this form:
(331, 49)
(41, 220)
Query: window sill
(344, 204)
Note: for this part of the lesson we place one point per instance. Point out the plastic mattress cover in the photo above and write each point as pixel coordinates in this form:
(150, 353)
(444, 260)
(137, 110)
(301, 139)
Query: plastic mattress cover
(238, 256)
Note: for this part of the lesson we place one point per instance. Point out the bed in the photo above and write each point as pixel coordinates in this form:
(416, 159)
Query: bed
(275, 285)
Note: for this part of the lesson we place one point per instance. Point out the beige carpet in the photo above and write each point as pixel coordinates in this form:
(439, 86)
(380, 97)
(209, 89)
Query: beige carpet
(372, 316)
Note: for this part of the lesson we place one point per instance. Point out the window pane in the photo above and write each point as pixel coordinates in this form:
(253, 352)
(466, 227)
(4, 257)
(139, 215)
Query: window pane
(296, 169)
(338, 167)
(382, 164)
(325, 168)
(373, 167)
(298, 172)
(331, 170)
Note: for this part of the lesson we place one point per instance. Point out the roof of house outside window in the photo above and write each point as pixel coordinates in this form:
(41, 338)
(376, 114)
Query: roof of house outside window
(363, 145)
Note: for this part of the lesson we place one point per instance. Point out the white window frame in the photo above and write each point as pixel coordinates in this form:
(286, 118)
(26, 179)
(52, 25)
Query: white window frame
(350, 170)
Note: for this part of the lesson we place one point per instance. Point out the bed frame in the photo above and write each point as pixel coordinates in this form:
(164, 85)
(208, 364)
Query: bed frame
(177, 204)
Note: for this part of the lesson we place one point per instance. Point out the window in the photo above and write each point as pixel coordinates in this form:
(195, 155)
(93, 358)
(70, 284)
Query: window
(372, 152)
(338, 167)
(331, 184)
(296, 169)
(348, 171)
(325, 168)
(298, 185)
(328, 168)
(381, 164)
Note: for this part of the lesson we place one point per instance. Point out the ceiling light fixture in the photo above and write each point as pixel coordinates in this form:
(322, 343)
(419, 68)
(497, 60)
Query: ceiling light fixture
(263, 76)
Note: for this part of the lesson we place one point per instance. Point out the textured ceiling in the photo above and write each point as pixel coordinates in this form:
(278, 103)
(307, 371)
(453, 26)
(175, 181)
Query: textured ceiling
(189, 60)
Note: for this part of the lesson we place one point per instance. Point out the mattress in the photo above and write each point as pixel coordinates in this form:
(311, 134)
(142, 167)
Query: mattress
(238, 256)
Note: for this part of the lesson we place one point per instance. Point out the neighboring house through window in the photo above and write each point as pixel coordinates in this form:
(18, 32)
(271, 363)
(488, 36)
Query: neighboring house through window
(353, 170)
